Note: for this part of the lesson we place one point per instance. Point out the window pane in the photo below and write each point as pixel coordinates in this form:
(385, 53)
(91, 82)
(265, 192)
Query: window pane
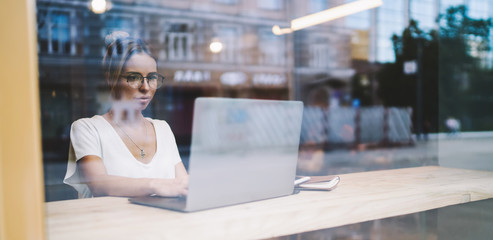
(378, 93)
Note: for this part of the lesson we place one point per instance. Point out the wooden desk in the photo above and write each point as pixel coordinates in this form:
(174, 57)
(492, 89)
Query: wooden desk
(359, 197)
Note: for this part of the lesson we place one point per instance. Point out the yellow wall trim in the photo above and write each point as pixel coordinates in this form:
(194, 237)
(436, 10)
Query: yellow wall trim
(21, 178)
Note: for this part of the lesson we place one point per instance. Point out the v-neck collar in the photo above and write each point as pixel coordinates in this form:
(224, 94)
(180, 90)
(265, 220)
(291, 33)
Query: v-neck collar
(125, 146)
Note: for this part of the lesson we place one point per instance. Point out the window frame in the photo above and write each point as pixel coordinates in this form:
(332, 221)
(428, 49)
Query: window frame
(21, 174)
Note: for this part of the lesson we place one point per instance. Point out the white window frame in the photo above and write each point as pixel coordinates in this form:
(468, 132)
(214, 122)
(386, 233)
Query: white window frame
(72, 31)
(182, 52)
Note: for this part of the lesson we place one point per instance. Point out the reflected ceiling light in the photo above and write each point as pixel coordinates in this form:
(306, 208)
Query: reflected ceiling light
(216, 46)
(333, 13)
(280, 31)
(328, 15)
(99, 6)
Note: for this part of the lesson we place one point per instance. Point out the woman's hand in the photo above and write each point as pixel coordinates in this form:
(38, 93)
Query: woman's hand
(170, 187)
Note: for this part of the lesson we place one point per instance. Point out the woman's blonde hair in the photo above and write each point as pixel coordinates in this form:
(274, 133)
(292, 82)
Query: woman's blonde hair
(119, 48)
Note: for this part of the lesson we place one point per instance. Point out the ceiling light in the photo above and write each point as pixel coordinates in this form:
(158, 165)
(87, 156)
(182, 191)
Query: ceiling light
(328, 15)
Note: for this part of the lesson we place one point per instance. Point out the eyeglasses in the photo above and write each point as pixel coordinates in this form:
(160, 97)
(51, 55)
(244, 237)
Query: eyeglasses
(136, 80)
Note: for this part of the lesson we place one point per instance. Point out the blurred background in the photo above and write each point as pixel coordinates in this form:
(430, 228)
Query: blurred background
(406, 83)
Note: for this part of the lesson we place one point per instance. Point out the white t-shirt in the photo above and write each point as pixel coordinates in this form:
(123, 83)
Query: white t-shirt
(96, 136)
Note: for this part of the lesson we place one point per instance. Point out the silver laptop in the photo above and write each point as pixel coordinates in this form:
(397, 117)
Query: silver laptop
(242, 150)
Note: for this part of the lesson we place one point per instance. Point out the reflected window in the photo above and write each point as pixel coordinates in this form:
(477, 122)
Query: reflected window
(391, 20)
(444, 5)
(318, 5)
(120, 22)
(178, 41)
(359, 20)
(55, 30)
(320, 52)
(424, 14)
(393, 4)
(229, 36)
(385, 51)
(479, 9)
(230, 2)
(272, 48)
(270, 4)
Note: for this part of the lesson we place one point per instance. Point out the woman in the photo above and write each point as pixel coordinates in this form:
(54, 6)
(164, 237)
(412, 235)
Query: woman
(121, 153)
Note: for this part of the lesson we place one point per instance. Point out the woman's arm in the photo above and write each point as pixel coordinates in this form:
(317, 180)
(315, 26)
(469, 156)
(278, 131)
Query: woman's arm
(180, 171)
(181, 176)
(102, 184)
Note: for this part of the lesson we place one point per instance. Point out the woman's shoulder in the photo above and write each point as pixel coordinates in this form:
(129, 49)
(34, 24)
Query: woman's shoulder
(160, 125)
(158, 122)
(87, 122)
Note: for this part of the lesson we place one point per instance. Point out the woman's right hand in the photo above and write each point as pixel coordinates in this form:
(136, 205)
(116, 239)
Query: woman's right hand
(170, 187)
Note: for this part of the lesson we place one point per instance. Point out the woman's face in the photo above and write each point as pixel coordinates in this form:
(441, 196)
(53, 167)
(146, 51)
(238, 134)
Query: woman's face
(143, 64)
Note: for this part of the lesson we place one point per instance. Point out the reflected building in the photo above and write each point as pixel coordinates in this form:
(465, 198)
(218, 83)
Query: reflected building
(322, 58)
(253, 63)
(316, 65)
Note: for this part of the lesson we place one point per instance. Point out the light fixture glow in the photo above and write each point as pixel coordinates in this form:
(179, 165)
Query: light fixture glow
(328, 15)
(216, 46)
(333, 13)
(280, 31)
(98, 6)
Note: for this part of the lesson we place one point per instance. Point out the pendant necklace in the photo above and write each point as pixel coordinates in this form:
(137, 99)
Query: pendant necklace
(142, 152)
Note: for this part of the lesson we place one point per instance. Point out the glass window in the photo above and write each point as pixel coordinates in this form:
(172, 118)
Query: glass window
(362, 112)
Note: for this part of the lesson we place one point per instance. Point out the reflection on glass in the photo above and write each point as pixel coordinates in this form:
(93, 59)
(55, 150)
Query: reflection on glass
(361, 109)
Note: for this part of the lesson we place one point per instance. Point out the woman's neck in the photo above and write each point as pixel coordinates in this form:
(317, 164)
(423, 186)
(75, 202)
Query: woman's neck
(126, 117)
